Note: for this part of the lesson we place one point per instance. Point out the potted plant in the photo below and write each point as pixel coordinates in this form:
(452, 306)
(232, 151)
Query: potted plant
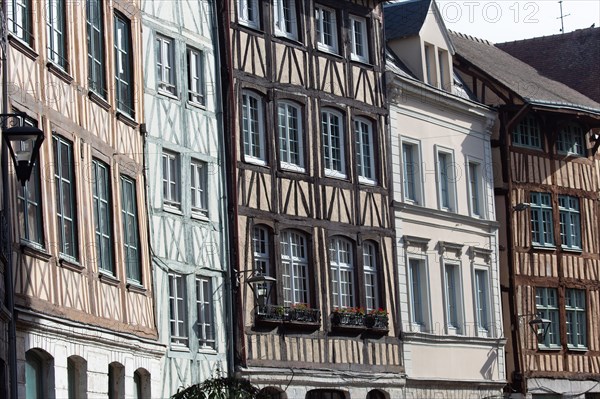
(377, 319)
(301, 312)
(348, 317)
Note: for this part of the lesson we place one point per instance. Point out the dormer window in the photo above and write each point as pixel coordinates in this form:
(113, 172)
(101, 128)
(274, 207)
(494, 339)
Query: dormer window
(429, 64)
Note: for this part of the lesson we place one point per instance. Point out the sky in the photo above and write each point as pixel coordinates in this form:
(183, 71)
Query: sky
(508, 20)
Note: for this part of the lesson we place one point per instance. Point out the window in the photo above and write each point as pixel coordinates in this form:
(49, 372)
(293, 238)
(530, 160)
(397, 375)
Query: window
(576, 325)
(417, 292)
(198, 177)
(248, 13)
(19, 20)
(165, 62)
(482, 300)
(195, 59)
(446, 179)
(475, 189)
(130, 230)
(290, 137)
(453, 295)
(443, 67)
(411, 172)
(170, 178)
(570, 140)
(253, 129)
(95, 47)
(527, 133)
(541, 219)
(371, 278)
(142, 383)
(177, 309)
(123, 66)
(56, 33)
(546, 304)
(326, 29)
(29, 199)
(76, 377)
(570, 226)
(333, 143)
(260, 243)
(365, 161)
(294, 260)
(39, 374)
(204, 304)
(325, 394)
(65, 197)
(102, 215)
(285, 19)
(342, 272)
(116, 380)
(430, 71)
(359, 50)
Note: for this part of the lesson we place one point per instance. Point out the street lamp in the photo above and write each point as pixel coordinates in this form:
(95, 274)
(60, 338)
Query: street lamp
(540, 327)
(261, 285)
(24, 144)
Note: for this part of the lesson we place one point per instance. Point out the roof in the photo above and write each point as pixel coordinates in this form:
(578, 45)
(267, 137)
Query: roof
(572, 58)
(519, 77)
(405, 19)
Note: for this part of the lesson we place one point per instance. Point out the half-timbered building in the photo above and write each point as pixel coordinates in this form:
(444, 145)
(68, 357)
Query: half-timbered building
(446, 230)
(310, 198)
(85, 323)
(186, 190)
(546, 191)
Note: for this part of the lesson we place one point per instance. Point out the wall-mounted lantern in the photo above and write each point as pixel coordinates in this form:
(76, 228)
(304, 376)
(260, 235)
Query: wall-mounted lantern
(261, 285)
(540, 327)
(24, 144)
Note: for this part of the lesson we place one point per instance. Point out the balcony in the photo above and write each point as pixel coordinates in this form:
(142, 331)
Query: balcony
(355, 320)
(298, 316)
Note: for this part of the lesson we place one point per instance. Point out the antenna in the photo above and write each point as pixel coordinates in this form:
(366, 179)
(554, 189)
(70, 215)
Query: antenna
(562, 17)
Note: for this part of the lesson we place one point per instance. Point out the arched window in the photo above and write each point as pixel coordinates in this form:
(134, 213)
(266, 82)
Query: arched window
(39, 374)
(77, 377)
(141, 379)
(376, 394)
(294, 262)
(325, 394)
(371, 277)
(342, 272)
(271, 393)
(116, 381)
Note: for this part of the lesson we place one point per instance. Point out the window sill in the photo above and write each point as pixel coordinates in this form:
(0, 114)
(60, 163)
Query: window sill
(201, 216)
(289, 167)
(362, 61)
(168, 94)
(127, 119)
(581, 349)
(367, 181)
(544, 247)
(23, 47)
(255, 161)
(196, 105)
(59, 72)
(98, 100)
(207, 350)
(108, 279)
(335, 174)
(72, 265)
(573, 250)
(571, 154)
(179, 348)
(552, 348)
(135, 287)
(35, 250)
(250, 25)
(172, 209)
(330, 52)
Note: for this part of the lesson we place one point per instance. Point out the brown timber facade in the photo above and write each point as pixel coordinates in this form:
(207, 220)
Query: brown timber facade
(311, 197)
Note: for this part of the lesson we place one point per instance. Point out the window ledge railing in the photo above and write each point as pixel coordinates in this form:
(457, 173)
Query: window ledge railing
(273, 314)
(360, 321)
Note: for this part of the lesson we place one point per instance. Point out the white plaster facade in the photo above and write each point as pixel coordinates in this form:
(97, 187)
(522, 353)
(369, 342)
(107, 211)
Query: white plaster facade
(446, 232)
(186, 241)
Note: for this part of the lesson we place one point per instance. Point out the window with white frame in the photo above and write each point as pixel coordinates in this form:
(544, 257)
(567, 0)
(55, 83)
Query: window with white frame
(291, 147)
(332, 135)
(123, 65)
(571, 140)
(326, 28)
(527, 133)
(285, 17)
(95, 47)
(260, 244)
(56, 33)
(198, 186)
(19, 20)
(294, 262)
(131, 240)
(482, 304)
(371, 276)
(417, 280)
(253, 128)
(365, 160)
(359, 50)
(576, 318)
(546, 304)
(570, 224)
(165, 64)
(248, 13)
(102, 202)
(66, 211)
(178, 309)
(171, 181)
(195, 66)
(452, 296)
(411, 172)
(446, 180)
(475, 189)
(541, 219)
(205, 309)
(342, 272)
